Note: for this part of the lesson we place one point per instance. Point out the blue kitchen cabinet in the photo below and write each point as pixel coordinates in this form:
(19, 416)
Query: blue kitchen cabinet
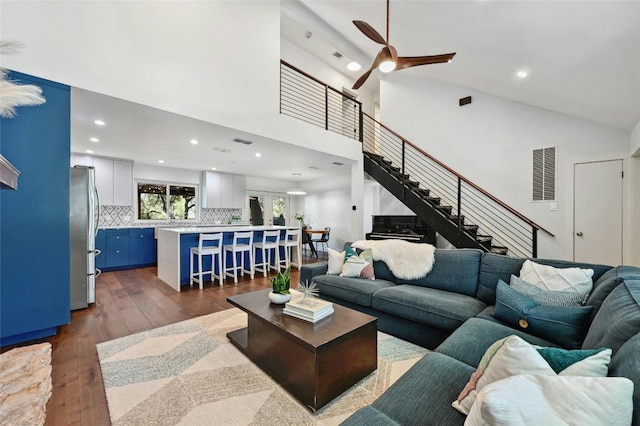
(117, 254)
(142, 247)
(101, 244)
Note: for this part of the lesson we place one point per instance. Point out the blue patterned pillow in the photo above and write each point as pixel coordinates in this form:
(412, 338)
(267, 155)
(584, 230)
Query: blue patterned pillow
(563, 325)
(546, 297)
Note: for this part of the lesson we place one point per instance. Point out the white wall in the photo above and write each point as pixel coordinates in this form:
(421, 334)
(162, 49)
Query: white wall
(328, 203)
(635, 190)
(165, 174)
(216, 61)
(490, 142)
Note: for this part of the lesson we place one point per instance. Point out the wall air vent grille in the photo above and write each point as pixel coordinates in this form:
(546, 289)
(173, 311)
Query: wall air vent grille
(544, 174)
(337, 163)
(337, 54)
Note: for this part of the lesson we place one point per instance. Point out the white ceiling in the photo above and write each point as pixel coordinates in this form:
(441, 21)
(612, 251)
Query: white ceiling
(146, 135)
(583, 58)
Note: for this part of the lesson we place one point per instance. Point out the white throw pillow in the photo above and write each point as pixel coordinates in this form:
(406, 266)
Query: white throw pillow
(557, 279)
(336, 260)
(561, 400)
(513, 356)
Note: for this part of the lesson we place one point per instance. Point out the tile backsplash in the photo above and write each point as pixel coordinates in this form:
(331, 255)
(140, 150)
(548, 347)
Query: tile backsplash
(124, 216)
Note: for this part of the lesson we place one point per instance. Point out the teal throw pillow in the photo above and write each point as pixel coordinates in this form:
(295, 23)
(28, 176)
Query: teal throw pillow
(563, 325)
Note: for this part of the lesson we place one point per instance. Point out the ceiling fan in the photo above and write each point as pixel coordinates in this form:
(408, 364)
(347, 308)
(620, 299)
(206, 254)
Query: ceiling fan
(387, 59)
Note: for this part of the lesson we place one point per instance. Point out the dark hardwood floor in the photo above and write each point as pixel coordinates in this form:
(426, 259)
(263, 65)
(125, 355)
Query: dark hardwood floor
(127, 302)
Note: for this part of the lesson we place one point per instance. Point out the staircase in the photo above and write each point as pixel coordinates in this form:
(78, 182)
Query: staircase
(428, 207)
(459, 210)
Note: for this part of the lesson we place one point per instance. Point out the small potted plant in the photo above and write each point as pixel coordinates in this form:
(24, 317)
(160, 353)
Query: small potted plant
(280, 285)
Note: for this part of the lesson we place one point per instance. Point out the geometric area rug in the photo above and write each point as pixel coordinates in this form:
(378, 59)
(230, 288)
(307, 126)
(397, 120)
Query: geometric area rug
(189, 374)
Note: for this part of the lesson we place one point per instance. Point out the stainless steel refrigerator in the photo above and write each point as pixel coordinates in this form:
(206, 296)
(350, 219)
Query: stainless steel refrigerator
(84, 216)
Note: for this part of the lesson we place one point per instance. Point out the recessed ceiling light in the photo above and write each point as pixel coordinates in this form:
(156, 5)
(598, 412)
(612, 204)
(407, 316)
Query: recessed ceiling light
(161, 161)
(258, 154)
(89, 151)
(213, 168)
(99, 122)
(353, 66)
(193, 142)
(522, 74)
(94, 140)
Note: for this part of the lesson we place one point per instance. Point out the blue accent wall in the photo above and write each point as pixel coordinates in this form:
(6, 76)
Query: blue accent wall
(34, 220)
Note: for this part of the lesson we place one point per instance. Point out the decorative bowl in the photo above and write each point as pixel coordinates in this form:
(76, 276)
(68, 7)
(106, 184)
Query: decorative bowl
(217, 221)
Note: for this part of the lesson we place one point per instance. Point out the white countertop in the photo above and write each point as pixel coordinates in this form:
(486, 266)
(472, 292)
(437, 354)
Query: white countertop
(222, 228)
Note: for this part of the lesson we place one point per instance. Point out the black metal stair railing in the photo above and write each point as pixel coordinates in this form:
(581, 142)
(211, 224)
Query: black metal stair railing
(478, 218)
(472, 209)
(306, 98)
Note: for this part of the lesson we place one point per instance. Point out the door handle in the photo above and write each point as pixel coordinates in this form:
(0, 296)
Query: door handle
(579, 234)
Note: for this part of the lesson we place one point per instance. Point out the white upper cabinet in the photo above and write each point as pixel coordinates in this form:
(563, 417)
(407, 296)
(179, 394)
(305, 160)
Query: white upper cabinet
(221, 190)
(122, 183)
(114, 178)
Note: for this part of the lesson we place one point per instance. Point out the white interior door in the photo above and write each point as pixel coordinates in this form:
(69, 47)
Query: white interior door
(597, 231)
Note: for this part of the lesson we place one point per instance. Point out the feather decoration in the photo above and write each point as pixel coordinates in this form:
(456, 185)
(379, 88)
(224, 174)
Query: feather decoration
(14, 95)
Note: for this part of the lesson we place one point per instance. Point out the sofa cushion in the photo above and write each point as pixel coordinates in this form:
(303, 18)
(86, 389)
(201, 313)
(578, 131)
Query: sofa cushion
(563, 325)
(354, 290)
(513, 356)
(494, 267)
(382, 271)
(368, 415)
(358, 265)
(545, 400)
(618, 318)
(469, 342)
(438, 308)
(546, 297)
(578, 280)
(453, 270)
(423, 395)
(607, 282)
(626, 363)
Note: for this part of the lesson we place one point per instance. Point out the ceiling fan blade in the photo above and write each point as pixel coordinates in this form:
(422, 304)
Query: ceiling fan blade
(362, 79)
(412, 61)
(379, 58)
(370, 32)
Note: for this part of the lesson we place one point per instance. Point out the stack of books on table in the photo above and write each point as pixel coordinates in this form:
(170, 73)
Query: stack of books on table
(312, 309)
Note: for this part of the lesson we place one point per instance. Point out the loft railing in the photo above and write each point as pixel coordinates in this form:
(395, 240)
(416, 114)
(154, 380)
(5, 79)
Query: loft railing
(304, 97)
(307, 98)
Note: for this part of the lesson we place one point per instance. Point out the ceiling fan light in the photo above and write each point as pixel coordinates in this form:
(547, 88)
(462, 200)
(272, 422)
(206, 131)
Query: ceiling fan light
(387, 66)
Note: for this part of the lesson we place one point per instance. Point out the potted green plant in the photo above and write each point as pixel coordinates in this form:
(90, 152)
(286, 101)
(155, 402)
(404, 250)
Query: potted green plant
(280, 285)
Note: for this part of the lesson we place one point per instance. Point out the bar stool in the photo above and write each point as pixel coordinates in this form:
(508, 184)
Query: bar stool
(213, 249)
(242, 243)
(270, 241)
(291, 240)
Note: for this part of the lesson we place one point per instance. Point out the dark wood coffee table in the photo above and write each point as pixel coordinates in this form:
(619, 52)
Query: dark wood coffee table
(314, 362)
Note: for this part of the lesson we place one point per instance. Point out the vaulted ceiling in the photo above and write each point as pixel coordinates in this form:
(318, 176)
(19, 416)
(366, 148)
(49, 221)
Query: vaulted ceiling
(582, 57)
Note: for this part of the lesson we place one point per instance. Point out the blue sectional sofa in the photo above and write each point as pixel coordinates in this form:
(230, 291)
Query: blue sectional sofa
(451, 310)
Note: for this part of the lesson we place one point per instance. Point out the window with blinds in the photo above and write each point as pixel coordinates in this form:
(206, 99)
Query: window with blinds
(544, 174)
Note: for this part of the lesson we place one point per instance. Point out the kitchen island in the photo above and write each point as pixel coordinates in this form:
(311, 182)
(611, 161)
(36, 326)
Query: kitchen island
(174, 246)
